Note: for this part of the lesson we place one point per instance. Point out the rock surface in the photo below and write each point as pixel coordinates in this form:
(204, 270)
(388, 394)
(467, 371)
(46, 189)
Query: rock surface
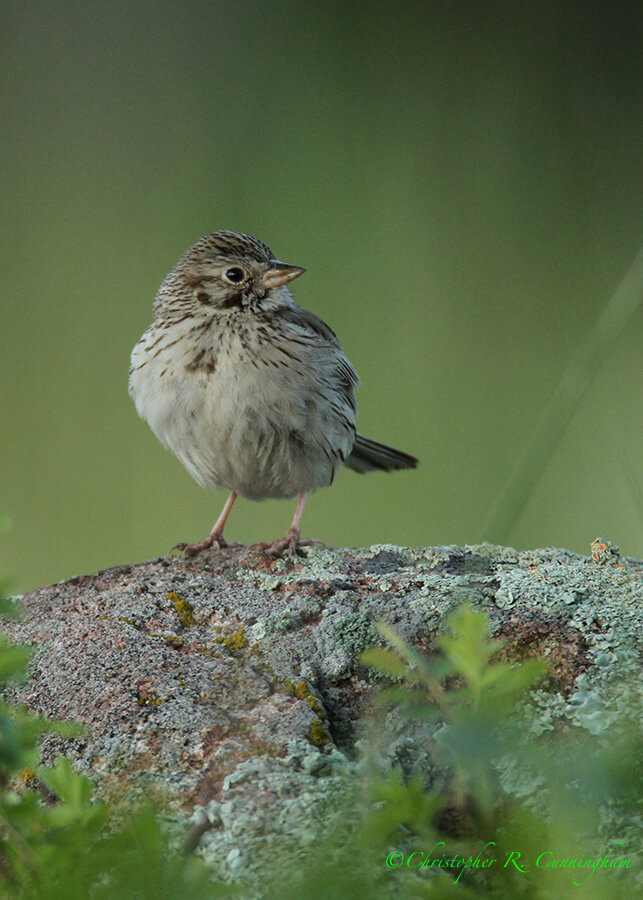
(230, 684)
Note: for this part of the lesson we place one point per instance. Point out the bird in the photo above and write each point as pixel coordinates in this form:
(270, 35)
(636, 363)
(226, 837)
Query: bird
(250, 391)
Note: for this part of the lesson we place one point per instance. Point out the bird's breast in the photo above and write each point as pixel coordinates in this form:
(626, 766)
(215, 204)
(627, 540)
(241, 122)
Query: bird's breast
(241, 413)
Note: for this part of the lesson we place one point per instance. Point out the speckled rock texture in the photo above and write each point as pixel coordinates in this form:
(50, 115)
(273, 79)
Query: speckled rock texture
(229, 685)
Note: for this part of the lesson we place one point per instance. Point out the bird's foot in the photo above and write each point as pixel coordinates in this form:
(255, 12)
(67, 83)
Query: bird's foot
(192, 549)
(289, 544)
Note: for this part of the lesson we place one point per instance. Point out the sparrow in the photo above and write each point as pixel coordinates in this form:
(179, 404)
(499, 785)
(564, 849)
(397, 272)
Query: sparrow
(250, 391)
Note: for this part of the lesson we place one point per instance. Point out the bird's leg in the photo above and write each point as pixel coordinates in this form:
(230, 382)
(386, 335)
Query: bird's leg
(292, 540)
(215, 536)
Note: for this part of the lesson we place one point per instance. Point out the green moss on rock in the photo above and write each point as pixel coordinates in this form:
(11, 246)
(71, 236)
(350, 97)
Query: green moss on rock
(318, 736)
(303, 692)
(183, 609)
(235, 641)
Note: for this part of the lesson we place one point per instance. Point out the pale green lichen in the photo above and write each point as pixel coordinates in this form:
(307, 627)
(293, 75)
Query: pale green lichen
(317, 602)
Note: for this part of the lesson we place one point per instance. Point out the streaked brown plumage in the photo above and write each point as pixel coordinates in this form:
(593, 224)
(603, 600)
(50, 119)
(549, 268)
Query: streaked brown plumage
(249, 390)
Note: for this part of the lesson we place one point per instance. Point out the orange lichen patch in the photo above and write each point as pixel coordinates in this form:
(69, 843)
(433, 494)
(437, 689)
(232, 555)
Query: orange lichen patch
(604, 552)
(29, 780)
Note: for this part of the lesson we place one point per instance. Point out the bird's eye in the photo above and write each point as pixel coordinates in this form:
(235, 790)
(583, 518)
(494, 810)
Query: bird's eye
(235, 275)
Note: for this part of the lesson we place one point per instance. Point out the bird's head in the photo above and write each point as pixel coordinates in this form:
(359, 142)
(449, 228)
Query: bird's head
(226, 271)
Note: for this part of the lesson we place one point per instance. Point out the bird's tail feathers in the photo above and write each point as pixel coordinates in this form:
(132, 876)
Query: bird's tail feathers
(369, 456)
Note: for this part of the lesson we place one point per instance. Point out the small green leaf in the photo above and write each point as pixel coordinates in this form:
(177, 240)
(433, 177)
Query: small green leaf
(502, 679)
(66, 783)
(384, 660)
(469, 649)
(14, 660)
(414, 660)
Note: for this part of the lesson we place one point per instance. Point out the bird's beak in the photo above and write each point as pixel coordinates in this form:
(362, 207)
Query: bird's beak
(281, 273)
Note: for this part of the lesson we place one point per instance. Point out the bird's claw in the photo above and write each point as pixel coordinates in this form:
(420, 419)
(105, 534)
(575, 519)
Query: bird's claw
(190, 550)
(288, 545)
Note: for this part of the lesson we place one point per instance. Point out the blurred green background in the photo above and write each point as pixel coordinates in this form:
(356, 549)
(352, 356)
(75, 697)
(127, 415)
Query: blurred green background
(462, 182)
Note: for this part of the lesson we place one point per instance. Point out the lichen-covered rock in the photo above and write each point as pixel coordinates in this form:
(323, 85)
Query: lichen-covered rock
(230, 684)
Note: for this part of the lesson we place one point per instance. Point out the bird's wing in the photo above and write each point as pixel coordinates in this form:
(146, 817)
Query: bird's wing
(309, 322)
(316, 329)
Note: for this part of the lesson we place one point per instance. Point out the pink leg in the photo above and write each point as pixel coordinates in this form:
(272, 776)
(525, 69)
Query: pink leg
(215, 536)
(292, 540)
(295, 528)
